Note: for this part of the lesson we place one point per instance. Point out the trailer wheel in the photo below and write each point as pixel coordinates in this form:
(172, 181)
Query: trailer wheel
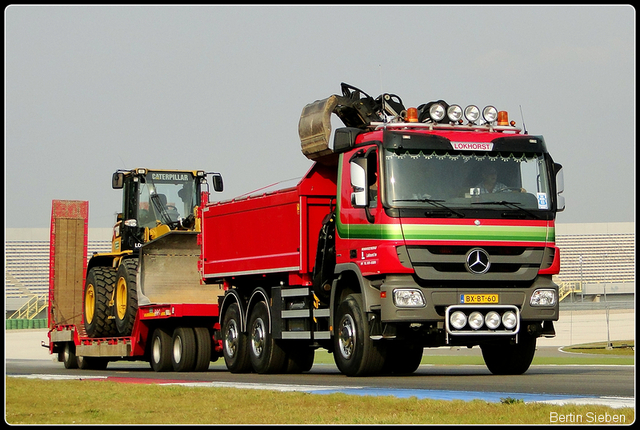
(354, 352)
(510, 359)
(234, 342)
(265, 354)
(160, 358)
(97, 294)
(203, 349)
(92, 363)
(69, 356)
(183, 355)
(126, 296)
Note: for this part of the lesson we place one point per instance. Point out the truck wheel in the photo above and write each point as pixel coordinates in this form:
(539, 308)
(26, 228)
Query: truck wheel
(300, 358)
(203, 349)
(183, 355)
(161, 350)
(403, 358)
(97, 294)
(69, 356)
(234, 342)
(508, 359)
(265, 354)
(126, 296)
(92, 363)
(354, 352)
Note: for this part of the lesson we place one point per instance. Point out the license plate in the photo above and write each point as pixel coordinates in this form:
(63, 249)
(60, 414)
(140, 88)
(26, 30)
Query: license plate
(479, 298)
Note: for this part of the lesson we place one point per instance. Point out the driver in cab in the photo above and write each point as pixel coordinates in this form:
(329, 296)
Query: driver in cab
(490, 184)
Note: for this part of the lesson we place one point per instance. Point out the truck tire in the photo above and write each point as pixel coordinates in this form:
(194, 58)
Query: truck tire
(510, 359)
(69, 356)
(403, 358)
(354, 352)
(97, 294)
(92, 363)
(183, 356)
(265, 354)
(234, 342)
(161, 348)
(203, 349)
(126, 296)
(299, 358)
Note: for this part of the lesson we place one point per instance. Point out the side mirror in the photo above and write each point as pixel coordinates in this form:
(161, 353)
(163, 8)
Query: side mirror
(217, 182)
(559, 186)
(117, 180)
(360, 195)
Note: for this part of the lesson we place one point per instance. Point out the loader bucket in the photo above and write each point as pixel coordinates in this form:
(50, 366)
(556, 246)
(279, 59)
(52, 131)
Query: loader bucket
(168, 271)
(314, 127)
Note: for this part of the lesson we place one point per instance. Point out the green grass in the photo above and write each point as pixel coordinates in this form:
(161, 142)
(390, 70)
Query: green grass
(30, 401)
(618, 347)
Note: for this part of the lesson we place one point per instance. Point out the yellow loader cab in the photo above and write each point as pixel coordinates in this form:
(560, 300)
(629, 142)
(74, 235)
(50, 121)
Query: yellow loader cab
(158, 219)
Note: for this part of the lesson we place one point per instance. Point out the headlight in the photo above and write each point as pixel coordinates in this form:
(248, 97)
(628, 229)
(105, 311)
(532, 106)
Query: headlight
(490, 114)
(437, 112)
(454, 113)
(476, 320)
(408, 298)
(458, 320)
(472, 113)
(492, 320)
(543, 298)
(509, 319)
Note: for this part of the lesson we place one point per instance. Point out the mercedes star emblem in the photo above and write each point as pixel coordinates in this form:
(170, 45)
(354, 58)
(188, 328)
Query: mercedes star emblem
(478, 261)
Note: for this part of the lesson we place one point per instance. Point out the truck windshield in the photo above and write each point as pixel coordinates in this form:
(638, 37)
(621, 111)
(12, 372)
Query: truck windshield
(166, 197)
(465, 180)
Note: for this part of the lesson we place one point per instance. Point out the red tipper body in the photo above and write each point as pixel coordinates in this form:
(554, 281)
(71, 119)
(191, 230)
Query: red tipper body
(274, 232)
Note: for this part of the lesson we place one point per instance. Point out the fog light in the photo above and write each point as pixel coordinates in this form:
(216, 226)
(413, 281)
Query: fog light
(472, 113)
(437, 112)
(492, 320)
(454, 113)
(408, 298)
(490, 114)
(458, 320)
(543, 298)
(509, 319)
(476, 320)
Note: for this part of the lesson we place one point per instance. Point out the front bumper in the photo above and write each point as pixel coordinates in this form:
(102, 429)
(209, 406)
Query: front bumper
(439, 299)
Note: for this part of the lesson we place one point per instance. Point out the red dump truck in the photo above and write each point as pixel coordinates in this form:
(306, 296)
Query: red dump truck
(414, 227)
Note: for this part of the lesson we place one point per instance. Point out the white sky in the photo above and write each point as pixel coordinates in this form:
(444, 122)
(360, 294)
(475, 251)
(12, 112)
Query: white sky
(93, 89)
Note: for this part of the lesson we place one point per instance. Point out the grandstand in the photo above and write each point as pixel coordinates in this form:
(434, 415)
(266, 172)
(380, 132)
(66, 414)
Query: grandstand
(27, 263)
(595, 256)
(591, 256)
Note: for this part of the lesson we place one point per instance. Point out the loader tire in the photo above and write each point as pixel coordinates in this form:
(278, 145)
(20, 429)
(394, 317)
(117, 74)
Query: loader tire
(126, 296)
(97, 294)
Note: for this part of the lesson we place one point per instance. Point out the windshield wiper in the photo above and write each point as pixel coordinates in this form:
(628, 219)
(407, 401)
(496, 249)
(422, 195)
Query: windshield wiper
(513, 205)
(434, 202)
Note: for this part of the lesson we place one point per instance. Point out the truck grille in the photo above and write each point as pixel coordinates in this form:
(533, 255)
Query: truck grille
(471, 263)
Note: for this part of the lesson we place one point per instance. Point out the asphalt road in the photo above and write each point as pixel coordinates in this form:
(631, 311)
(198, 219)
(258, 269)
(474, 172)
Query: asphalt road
(613, 385)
